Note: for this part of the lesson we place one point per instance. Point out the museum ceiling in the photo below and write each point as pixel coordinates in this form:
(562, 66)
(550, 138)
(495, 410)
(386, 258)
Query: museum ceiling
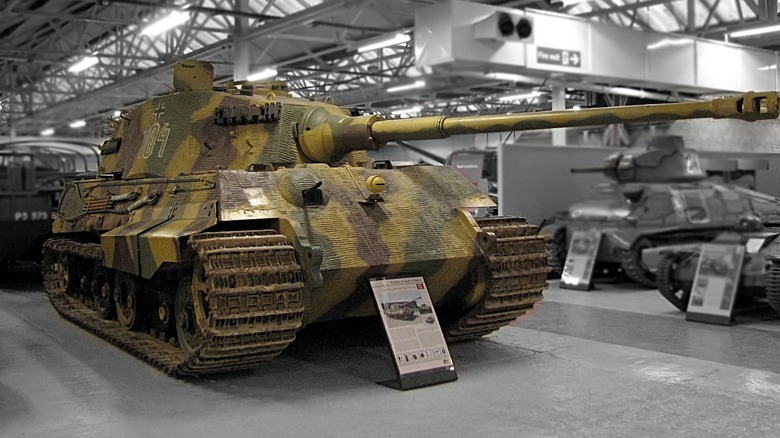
(316, 46)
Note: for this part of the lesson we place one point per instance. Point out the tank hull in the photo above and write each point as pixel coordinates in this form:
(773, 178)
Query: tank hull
(638, 216)
(481, 273)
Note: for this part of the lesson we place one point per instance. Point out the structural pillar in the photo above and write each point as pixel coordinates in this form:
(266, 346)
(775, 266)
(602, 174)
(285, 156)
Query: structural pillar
(558, 104)
(240, 47)
(12, 131)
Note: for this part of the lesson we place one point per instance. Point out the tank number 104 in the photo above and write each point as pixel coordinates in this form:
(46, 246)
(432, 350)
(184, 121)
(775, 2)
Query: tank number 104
(154, 135)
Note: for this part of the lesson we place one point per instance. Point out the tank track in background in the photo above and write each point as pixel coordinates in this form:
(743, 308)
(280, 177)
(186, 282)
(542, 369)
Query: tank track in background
(667, 285)
(246, 325)
(556, 246)
(517, 275)
(632, 266)
(773, 285)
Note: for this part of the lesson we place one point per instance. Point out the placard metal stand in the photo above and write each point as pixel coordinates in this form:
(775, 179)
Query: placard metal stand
(580, 260)
(715, 284)
(420, 353)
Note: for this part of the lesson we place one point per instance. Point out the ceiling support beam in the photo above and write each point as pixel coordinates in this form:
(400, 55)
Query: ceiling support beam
(305, 16)
(622, 8)
(691, 27)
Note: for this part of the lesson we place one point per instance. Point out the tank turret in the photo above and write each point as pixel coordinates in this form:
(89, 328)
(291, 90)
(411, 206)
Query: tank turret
(198, 129)
(665, 160)
(223, 220)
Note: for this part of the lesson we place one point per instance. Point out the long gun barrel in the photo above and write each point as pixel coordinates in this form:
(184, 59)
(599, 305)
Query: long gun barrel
(326, 136)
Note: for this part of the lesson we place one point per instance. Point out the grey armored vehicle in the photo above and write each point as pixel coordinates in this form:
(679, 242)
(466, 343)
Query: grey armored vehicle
(658, 197)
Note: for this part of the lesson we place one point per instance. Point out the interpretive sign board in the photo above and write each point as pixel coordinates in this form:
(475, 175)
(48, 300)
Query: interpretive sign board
(420, 353)
(715, 284)
(580, 260)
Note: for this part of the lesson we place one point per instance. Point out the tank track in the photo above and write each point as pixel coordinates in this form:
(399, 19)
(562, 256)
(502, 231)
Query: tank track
(667, 285)
(556, 246)
(773, 285)
(246, 325)
(517, 275)
(630, 264)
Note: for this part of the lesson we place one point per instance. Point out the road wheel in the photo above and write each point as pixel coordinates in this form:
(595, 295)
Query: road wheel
(102, 287)
(126, 295)
(188, 329)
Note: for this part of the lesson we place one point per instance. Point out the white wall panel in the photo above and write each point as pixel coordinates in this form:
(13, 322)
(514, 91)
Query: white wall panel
(717, 66)
(444, 36)
(670, 60)
(618, 53)
(758, 70)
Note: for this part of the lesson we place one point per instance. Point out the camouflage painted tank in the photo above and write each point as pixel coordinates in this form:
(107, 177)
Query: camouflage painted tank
(659, 197)
(223, 221)
(759, 276)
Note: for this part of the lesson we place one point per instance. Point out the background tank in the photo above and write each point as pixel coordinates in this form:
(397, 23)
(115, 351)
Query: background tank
(32, 174)
(658, 197)
(759, 277)
(228, 220)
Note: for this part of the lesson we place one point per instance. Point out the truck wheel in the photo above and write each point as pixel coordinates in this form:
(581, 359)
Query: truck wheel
(667, 282)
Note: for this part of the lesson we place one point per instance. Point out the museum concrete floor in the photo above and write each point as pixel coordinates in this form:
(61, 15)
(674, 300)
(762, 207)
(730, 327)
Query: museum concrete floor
(618, 361)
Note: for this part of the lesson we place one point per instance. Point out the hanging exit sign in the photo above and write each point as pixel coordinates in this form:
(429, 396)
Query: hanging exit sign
(565, 58)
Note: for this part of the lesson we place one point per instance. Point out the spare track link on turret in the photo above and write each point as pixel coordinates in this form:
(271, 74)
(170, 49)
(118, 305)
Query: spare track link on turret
(517, 275)
(247, 325)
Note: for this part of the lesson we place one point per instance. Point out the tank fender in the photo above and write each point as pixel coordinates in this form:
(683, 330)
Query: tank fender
(310, 256)
(621, 240)
(152, 237)
(487, 244)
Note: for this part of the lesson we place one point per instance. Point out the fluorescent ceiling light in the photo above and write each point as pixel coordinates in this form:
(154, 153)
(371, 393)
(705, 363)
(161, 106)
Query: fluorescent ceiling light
(84, 64)
(78, 124)
(263, 74)
(175, 18)
(667, 42)
(47, 132)
(520, 96)
(414, 109)
(398, 38)
(416, 84)
(512, 77)
(757, 31)
(768, 67)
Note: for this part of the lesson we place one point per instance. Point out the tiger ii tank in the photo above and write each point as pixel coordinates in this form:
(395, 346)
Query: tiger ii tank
(223, 220)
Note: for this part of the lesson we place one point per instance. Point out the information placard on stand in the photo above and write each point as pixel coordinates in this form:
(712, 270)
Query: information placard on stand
(420, 353)
(580, 260)
(715, 284)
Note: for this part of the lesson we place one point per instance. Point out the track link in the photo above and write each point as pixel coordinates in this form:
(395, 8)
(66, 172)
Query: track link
(556, 247)
(250, 280)
(773, 285)
(632, 265)
(517, 275)
(667, 285)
